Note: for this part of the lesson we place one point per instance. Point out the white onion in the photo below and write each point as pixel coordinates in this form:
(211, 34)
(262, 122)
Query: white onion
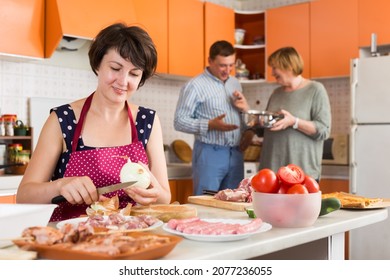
(133, 171)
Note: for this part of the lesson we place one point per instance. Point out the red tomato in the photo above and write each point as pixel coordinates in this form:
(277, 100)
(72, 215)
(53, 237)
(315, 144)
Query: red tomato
(291, 174)
(297, 189)
(283, 188)
(265, 181)
(311, 184)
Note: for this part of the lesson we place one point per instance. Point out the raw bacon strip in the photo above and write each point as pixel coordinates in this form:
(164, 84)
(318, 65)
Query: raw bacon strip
(183, 226)
(198, 228)
(212, 229)
(227, 229)
(254, 225)
(216, 228)
(173, 223)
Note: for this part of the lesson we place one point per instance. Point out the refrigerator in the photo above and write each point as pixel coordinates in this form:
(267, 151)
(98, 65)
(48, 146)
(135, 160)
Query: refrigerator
(369, 150)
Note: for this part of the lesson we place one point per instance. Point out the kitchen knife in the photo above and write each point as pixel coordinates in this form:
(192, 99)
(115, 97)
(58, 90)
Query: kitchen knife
(100, 191)
(210, 192)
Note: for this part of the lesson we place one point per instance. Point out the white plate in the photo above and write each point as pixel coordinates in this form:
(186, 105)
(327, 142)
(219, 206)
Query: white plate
(76, 221)
(223, 237)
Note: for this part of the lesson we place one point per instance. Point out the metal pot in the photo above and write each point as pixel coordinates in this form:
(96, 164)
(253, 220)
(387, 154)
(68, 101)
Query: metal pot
(254, 118)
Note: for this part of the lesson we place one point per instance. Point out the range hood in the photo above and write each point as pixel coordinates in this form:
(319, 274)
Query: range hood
(71, 23)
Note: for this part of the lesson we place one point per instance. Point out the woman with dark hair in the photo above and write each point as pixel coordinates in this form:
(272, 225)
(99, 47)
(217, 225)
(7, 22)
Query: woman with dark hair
(83, 145)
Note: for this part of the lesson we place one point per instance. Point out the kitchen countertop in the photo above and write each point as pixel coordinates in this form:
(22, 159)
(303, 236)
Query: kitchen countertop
(323, 240)
(327, 232)
(9, 184)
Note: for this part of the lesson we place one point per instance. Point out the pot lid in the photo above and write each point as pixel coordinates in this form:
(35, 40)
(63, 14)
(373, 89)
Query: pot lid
(182, 150)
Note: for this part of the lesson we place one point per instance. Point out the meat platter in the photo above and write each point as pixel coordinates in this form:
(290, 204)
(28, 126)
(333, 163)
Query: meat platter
(221, 224)
(64, 251)
(127, 220)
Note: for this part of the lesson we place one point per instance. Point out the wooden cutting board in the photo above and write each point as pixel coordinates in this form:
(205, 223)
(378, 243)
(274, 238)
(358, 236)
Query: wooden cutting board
(209, 200)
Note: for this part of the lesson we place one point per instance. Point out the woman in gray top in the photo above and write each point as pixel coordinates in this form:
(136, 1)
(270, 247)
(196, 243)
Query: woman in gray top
(298, 138)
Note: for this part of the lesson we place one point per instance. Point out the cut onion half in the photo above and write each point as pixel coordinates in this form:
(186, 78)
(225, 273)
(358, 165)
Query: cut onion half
(133, 171)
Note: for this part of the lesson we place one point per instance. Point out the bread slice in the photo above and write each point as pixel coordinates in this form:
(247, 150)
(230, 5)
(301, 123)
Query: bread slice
(165, 212)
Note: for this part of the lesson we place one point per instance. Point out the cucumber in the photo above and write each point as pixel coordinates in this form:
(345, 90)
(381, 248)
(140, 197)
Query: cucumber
(329, 205)
(250, 212)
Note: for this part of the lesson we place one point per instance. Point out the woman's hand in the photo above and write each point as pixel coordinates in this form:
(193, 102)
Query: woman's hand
(145, 196)
(282, 124)
(78, 190)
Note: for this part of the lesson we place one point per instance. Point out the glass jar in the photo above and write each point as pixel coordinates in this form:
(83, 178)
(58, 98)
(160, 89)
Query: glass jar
(9, 123)
(13, 151)
(23, 156)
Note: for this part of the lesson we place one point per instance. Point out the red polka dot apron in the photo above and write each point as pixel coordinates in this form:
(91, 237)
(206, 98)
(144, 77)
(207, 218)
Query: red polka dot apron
(102, 165)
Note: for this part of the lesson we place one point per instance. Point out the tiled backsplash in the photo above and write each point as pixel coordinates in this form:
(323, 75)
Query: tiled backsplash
(21, 80)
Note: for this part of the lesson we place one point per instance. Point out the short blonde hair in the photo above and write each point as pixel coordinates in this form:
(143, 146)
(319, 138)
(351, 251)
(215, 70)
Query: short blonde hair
(286, 58)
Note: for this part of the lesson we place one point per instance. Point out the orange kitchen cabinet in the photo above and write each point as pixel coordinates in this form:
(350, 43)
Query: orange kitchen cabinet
(173, 188)
(288, 26)
(181, 189)
(334, 185)
(218, 25)
(22, 27)
(155, 22)
(8, 199)
(373, 18)
(185, 37)
(333, 37)
(82, 19)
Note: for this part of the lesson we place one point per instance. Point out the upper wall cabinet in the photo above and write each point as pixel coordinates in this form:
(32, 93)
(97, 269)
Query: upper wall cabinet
(374, 18)
(185, 40)
(324, 32)
(218, 25)
(251, 51)
(289, 26)
(82, 19)
(183, 31)
(155, 22)
(22, 28)
(333, 37)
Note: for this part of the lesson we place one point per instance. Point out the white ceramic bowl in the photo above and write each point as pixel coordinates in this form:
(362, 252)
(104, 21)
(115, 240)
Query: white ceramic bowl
(14, 218)
(287, 210)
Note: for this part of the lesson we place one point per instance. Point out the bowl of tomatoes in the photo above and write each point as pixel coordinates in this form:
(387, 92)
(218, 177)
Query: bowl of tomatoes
(288, 198)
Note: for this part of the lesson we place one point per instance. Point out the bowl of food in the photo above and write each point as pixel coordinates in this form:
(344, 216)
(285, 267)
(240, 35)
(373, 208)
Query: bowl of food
(255, 118)
(287, 210)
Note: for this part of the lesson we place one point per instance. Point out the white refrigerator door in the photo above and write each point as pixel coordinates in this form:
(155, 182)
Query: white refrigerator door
(370, 169)
(370, 90)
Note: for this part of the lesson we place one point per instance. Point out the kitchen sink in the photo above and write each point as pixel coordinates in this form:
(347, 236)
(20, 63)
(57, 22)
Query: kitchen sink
(179, 170)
